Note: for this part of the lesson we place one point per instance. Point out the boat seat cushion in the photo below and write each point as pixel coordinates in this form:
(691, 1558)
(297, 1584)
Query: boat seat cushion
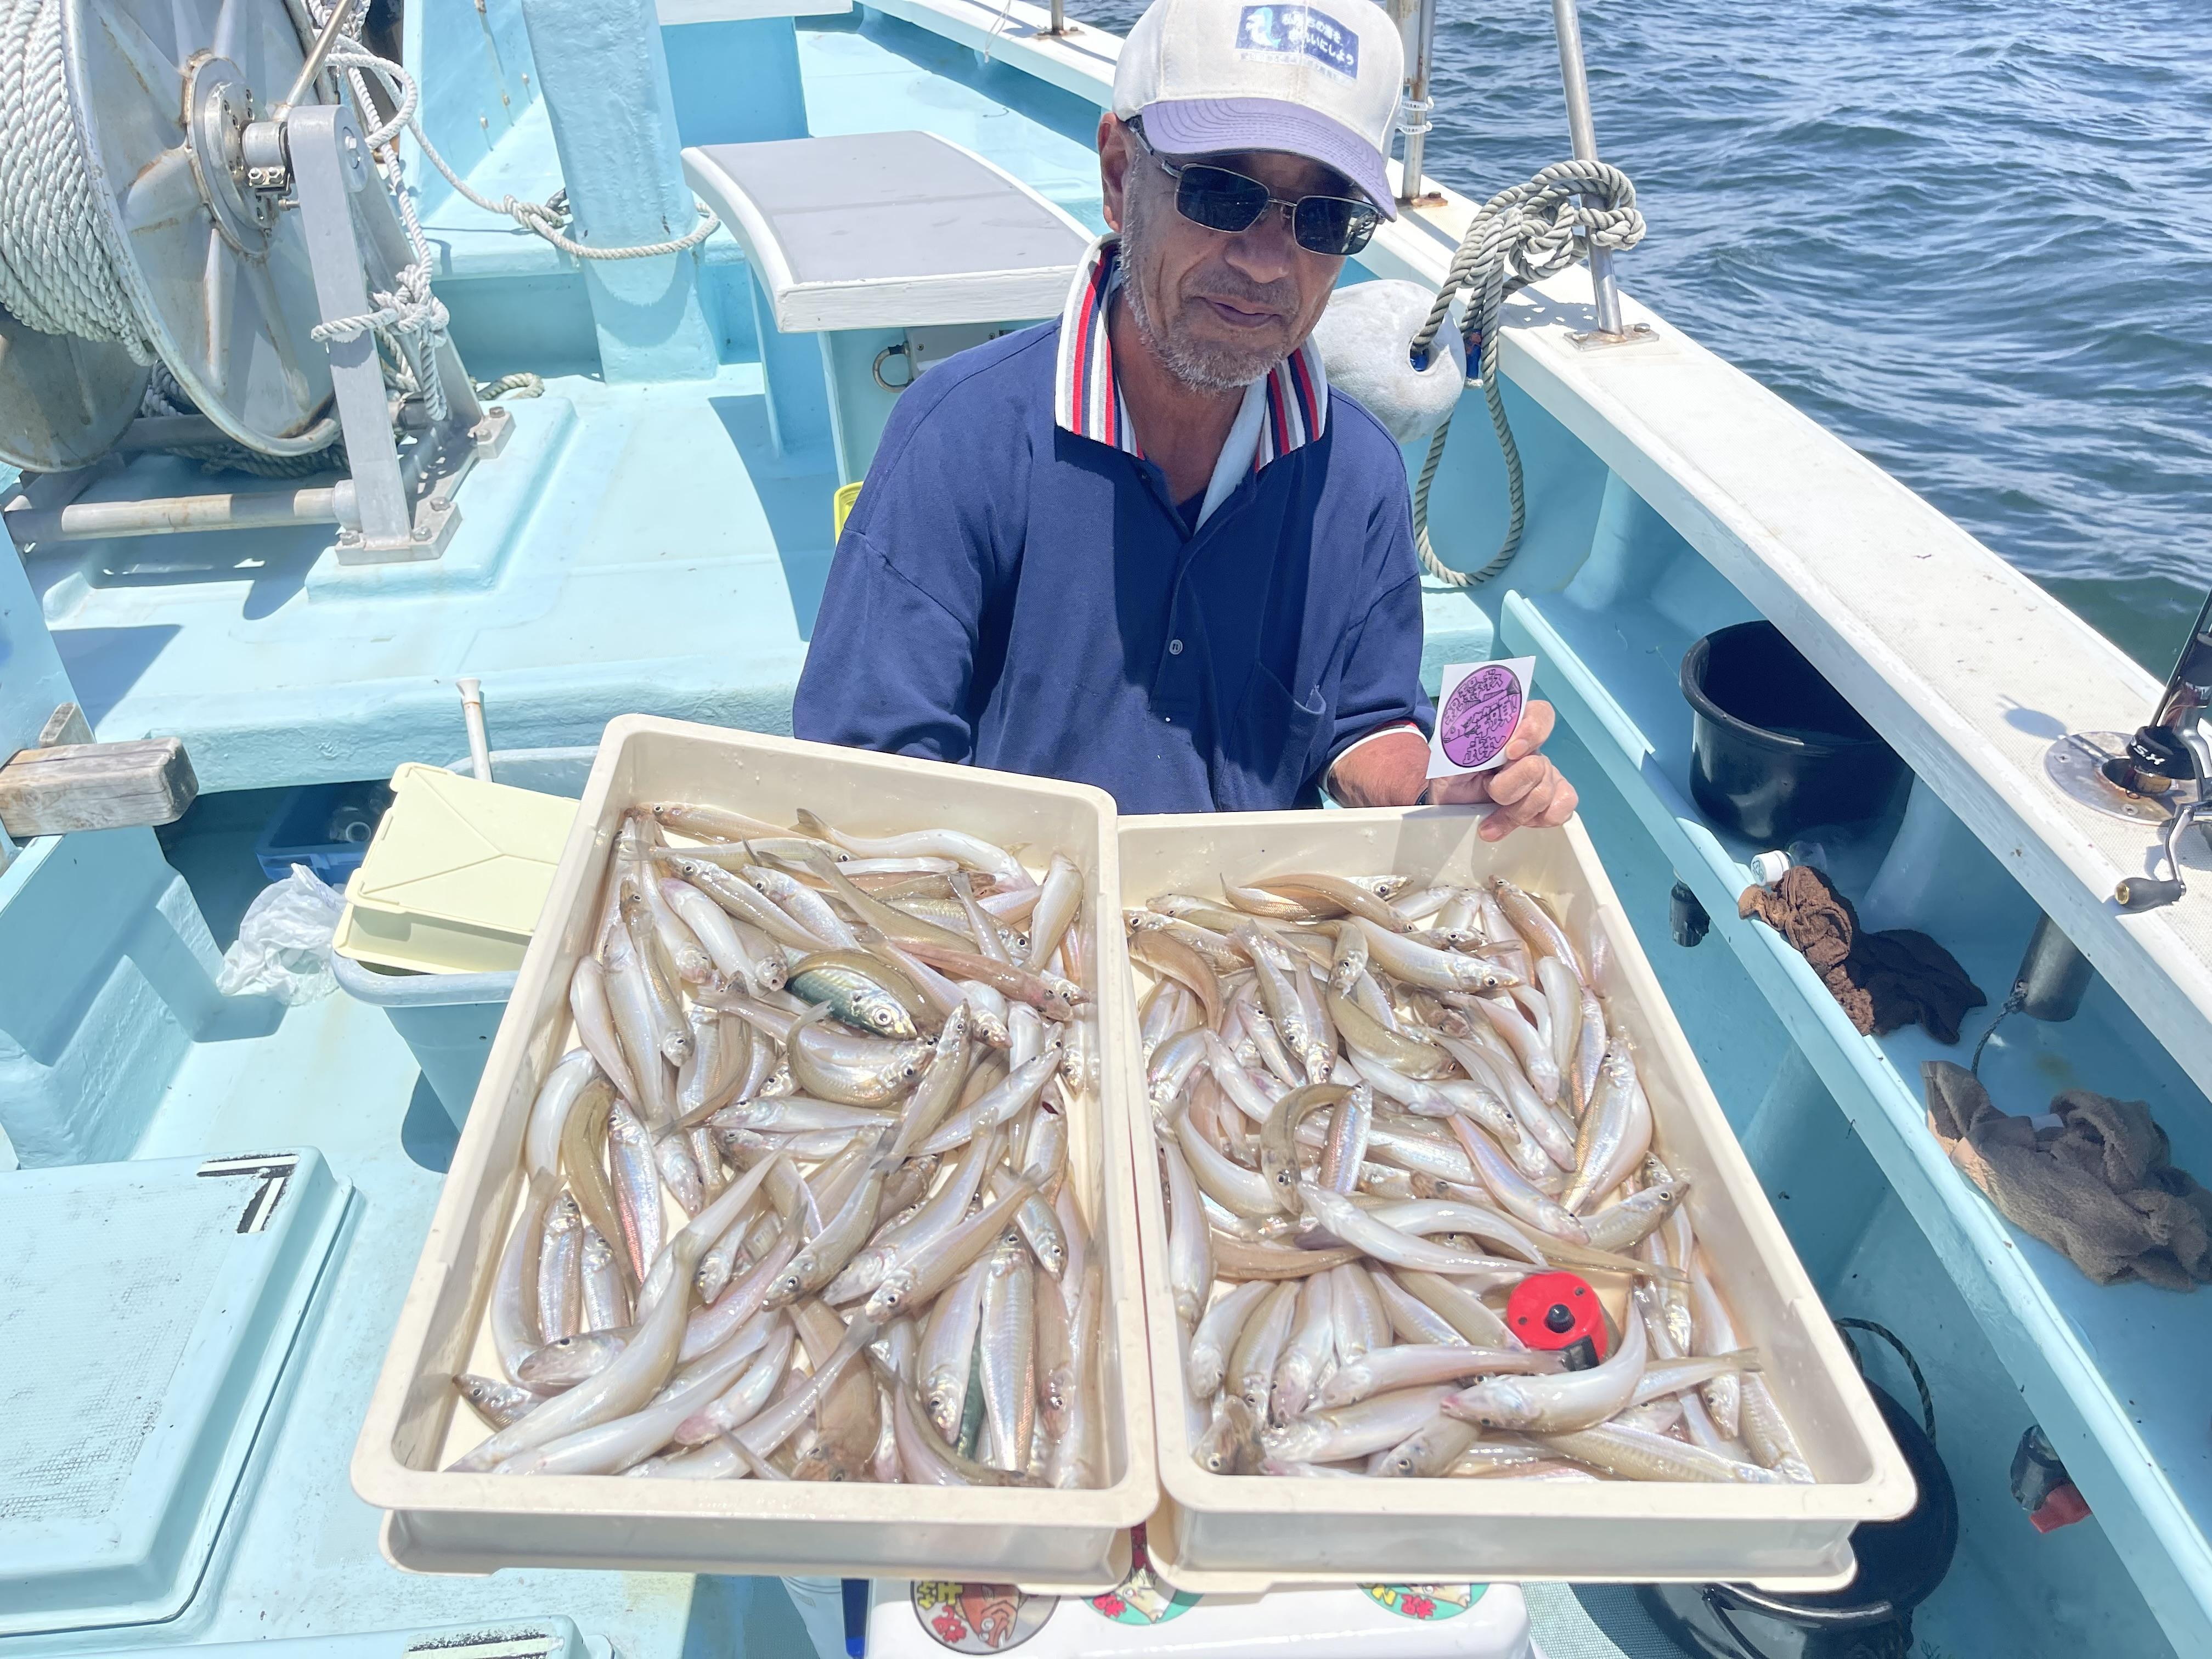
(887, 230)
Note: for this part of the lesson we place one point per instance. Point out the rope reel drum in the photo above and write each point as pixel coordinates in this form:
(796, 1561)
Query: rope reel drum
(168, 212)
(63, 402)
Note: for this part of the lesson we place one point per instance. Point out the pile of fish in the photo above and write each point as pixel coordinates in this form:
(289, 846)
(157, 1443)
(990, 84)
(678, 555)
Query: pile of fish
(1380, 1105)
(798, 1206)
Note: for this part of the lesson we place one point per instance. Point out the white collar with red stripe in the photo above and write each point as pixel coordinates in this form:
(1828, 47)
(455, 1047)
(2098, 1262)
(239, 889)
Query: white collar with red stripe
(1087, 396)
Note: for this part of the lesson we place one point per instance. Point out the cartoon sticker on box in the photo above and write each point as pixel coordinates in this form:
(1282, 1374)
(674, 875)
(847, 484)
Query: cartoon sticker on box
(979, 1618)
(1143, 1597)
(1426, 1602)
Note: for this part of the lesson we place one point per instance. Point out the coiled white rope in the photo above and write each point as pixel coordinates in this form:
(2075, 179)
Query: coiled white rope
(1522, 235)
(58, 272)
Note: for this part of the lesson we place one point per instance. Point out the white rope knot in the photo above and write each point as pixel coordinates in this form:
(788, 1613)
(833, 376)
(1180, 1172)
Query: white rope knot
(1536, 229)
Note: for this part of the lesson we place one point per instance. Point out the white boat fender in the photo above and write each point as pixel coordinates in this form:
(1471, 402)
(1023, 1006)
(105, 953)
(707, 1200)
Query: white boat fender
(1364, 338)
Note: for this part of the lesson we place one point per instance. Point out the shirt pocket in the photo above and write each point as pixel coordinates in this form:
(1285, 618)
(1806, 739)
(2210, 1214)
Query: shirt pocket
(1265, 751)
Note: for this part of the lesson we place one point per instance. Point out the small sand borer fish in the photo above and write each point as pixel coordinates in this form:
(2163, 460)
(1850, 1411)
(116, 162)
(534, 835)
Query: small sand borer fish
(498, 1403)
(1564, 1403)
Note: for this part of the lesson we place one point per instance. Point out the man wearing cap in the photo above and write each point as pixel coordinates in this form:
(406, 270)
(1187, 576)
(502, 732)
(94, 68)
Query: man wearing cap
(1145, 547)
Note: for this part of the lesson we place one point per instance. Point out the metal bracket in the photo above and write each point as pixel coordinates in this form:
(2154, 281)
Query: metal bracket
(1598, 340)
(2077, 763)
(489, 434)
(330, 166)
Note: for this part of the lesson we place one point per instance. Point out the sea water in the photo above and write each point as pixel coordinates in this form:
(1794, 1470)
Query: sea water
(1973, 239)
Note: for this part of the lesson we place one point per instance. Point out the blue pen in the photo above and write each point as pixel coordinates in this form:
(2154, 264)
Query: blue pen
(856, 1618)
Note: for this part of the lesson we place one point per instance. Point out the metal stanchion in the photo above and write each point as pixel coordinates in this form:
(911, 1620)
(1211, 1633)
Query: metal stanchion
(1413, 122)
(1583, 136)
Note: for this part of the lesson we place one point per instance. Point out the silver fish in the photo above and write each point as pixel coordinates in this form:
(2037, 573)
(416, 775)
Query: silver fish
(1312, 1347)
(1006, 1357)
(1435, 1448)
(514, 1290)
(1563, 1403)
(637, 1187)
(605, 1293)
(1356, 1431)
(743, 1398)
(1252, 1363)
(560, 1263)
(1230, 1444)
(1076, 1459)
(1637, 1455)
(1360, 1320)
(1190, 1251)
(498, 1403)
(569, 1360)
(1216, 1335)
(1616, 1133)
(1381, 1370)
(1535, 925)
(948, 1348)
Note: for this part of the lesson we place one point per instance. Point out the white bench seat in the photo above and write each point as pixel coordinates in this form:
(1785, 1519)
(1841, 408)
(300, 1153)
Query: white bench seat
(887, 230)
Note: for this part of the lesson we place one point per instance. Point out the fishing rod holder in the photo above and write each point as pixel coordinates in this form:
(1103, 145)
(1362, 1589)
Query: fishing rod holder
(2160, 775)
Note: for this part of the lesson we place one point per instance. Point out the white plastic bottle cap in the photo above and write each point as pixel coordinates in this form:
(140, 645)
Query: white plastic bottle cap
(1768, 866)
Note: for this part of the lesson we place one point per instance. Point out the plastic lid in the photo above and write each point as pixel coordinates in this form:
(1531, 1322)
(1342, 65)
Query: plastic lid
(456, 875)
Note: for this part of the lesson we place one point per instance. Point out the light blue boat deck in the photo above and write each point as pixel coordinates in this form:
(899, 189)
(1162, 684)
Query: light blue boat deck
(651, 546)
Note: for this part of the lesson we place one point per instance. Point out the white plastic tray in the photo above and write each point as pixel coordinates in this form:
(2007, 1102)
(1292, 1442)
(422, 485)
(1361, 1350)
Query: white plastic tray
(1254, 1533)
(446, 1522)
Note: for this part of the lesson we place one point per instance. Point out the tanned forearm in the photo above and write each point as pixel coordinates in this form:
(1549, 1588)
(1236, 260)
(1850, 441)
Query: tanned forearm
(1390, 771)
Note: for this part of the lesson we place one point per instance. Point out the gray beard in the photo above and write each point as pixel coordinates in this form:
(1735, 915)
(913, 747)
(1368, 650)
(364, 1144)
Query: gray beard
(1209, 369)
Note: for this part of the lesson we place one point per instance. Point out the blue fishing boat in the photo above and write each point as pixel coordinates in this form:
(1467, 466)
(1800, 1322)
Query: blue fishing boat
(351, 355)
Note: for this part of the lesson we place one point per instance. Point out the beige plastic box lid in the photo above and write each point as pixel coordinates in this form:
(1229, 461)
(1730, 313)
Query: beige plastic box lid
(1248, 1533)
(456, 875)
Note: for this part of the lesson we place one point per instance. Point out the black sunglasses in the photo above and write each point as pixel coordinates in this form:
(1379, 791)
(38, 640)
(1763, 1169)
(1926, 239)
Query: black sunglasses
(1333, 226)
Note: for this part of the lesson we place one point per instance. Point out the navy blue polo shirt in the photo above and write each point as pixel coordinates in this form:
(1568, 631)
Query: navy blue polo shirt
(1016, 589)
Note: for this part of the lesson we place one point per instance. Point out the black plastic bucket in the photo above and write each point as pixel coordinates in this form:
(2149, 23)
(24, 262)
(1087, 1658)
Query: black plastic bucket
(1775, 749)
(1901, 1564)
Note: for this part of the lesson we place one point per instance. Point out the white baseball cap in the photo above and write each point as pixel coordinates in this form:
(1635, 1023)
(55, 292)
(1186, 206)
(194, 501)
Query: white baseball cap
(1318, 78)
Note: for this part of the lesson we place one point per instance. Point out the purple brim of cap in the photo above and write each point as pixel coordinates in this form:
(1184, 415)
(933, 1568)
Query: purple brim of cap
(1206, 126)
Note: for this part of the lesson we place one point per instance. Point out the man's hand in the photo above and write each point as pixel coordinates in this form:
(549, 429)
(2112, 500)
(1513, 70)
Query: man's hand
(1390, 771)
(1528, 789)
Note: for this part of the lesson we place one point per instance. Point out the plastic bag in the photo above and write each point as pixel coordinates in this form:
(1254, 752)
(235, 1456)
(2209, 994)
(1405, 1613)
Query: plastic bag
(283, 947)
(1364, 338)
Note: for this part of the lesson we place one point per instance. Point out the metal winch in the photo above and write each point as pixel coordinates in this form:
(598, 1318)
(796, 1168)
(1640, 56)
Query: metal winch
(269, 302)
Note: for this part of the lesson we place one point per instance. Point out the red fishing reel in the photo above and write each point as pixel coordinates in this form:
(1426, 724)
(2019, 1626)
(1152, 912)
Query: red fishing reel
(1560, 1313)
